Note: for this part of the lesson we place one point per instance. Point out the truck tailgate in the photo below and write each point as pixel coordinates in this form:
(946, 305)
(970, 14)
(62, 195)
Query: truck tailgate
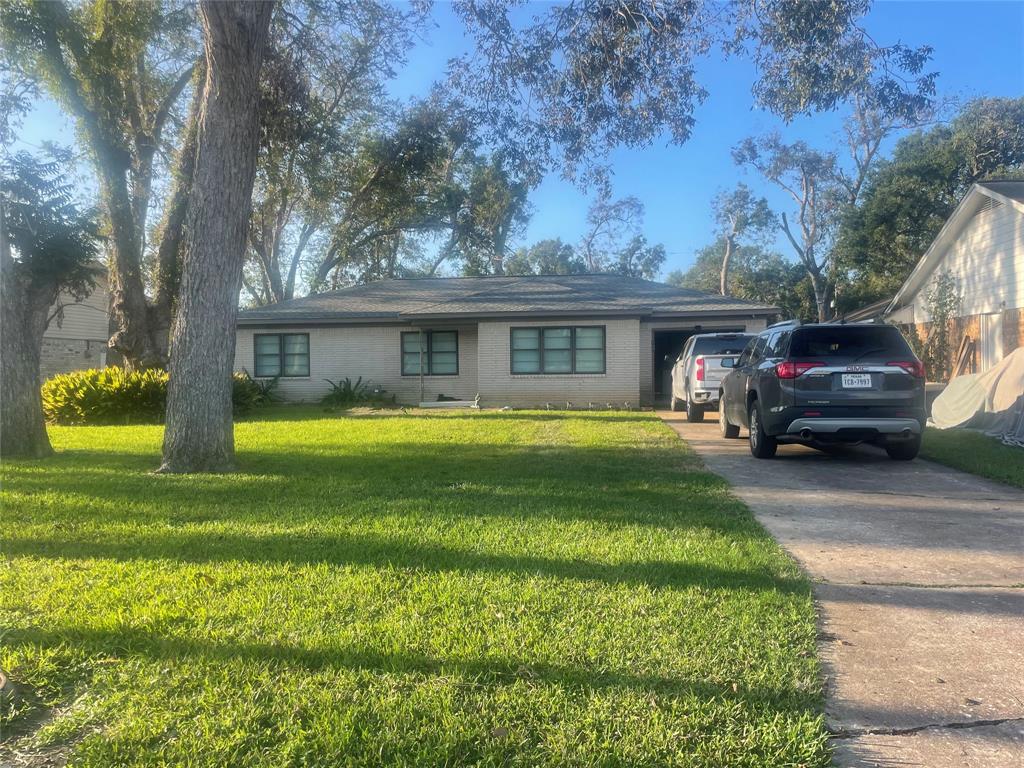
(713, 370)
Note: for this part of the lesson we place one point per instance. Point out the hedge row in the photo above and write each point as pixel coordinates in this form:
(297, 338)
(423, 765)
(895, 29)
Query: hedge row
(117, 396)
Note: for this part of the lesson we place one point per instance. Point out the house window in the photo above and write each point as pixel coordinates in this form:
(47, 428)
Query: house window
(558, 350)
(439, 351)
(281, 354)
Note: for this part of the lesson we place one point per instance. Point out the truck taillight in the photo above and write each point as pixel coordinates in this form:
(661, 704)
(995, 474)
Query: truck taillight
(914, 367)
(700, 369)
(790, 370)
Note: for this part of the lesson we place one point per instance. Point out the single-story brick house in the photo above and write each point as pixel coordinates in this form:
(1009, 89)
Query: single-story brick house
(521, 341)
(982, 246)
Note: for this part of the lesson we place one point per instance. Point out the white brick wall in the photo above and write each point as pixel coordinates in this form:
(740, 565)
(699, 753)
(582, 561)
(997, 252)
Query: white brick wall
(618, 385)
(373, 352)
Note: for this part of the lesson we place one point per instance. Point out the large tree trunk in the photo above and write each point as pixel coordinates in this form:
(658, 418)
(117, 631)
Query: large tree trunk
(168, 274)
(24, 307)
(134, 338)
(199, 435)
(820, 295)
(726, 258)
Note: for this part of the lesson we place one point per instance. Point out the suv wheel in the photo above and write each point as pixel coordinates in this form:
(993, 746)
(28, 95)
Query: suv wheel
(762, 445)
(905, 450)
(674, 404)
(729, 431)
(694, 413)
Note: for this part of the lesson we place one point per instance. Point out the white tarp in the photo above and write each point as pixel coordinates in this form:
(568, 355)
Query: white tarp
(992, 401)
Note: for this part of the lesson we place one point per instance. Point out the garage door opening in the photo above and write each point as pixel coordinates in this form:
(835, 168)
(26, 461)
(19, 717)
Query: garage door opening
(667, 346)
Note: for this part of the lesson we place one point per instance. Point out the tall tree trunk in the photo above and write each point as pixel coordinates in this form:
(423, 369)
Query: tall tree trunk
(726, 258)
(129, 307)
(820, 294)
(24, 308)
(199, 436)
(168, 268)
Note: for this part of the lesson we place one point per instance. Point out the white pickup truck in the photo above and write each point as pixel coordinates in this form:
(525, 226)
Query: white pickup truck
(698, 371)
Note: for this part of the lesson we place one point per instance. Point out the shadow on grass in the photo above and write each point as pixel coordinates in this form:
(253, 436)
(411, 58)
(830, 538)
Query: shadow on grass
(304, 412)
(371, 550)
(619, 487)
(482, 670)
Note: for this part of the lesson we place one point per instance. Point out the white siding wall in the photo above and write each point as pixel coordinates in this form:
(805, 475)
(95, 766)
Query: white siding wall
(372, 352)
(988, 260)
(752, 325)
(618, 385)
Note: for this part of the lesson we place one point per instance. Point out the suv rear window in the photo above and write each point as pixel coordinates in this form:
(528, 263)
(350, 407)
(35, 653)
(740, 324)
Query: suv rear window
(722, 345)
(849, 341)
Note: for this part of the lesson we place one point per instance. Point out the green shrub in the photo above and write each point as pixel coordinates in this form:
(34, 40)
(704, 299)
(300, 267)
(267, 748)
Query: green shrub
(117, 396)
(248, 393)
(346, 393)
(105, 396)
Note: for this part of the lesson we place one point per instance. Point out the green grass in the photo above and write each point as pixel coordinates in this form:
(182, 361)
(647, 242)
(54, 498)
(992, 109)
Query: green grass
(976, 453)
(514, 589)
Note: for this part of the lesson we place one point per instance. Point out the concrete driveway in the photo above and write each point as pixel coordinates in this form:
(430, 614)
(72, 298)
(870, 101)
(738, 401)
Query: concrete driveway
(919, 580)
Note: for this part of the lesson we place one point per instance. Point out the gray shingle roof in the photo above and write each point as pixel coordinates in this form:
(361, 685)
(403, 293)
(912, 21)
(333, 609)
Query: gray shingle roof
(470, 297)
(1011, 189)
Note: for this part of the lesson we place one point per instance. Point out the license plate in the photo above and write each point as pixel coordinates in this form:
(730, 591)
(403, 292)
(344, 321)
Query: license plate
(856, 381)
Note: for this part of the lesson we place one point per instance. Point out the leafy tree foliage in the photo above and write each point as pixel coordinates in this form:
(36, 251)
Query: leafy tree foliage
(47, 247)
(581, 78)
(119, 69)
(810, 177)
(908, 198)
(739, 214)
(757, 275)
(546, 257)
(321, 87)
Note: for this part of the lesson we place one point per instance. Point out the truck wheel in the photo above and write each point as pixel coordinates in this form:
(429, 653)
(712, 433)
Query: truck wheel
(729, 431)
(762, 445)
(905, 450)
(694, 413)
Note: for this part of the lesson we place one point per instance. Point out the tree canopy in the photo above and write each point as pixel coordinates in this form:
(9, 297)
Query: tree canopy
(908, 197)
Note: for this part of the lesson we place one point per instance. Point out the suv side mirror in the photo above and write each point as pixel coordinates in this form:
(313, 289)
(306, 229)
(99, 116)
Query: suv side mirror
(728, 362)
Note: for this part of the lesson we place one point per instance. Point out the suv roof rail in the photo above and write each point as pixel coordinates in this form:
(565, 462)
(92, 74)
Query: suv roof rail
(794, 321)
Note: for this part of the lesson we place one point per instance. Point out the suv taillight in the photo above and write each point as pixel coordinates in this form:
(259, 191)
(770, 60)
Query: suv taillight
(914, 367)
(700, 369)
(790, 370)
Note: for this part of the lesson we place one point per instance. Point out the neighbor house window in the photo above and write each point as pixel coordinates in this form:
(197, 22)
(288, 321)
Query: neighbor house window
(281, 354)
(439, 351)
(558, 350)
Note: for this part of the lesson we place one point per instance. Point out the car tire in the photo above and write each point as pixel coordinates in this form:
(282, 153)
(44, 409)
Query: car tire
(674, 404)
(762, 445)
(905, 450)
(729, 431)
(694, 413)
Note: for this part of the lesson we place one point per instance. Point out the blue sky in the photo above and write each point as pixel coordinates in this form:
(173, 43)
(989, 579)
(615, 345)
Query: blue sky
(979, 51)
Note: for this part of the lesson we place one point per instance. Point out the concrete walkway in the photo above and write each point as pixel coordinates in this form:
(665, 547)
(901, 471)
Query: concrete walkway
(919, 580)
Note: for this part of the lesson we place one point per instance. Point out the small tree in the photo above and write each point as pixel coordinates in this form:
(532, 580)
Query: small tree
(942, 301)
(739, 213)
(47, 246)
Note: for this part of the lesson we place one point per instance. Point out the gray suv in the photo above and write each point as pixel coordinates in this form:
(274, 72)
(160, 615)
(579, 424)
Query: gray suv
(826, 383)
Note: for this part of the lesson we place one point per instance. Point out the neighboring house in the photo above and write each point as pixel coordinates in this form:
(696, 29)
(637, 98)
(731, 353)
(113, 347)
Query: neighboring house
(982, 245)
(77, 335)
(522, 341)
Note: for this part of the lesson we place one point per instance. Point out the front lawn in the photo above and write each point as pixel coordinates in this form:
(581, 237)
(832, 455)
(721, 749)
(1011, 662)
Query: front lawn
(976, 453)
(512, 589)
